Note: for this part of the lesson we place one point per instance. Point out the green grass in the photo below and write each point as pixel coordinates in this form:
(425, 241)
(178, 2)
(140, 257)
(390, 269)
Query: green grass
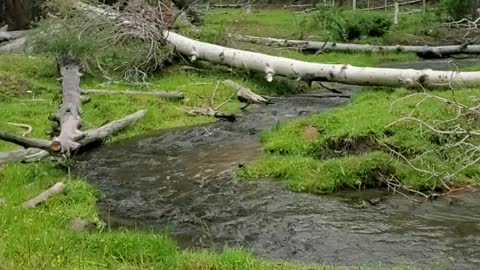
(37, 238)
(333, 161)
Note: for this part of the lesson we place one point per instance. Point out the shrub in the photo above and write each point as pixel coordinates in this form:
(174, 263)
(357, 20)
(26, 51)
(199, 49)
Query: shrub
(347, 26)
(458, 9)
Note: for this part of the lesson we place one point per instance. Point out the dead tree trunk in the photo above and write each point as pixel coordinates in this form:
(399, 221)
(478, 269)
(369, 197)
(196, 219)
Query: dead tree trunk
(69, 138)
(273, 65)
(69, 114)
(304, 45)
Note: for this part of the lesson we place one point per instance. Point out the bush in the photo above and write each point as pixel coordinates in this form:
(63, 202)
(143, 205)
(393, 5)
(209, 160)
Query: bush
(346, 26)
(458, 9)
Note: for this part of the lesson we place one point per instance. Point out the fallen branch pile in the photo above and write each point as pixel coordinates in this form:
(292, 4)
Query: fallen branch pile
(459, 136)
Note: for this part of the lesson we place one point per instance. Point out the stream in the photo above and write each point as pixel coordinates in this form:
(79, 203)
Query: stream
(183, 180)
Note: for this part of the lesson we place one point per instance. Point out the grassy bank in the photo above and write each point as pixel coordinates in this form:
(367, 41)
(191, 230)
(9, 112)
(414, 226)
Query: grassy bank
(360, 145)
(374, 27)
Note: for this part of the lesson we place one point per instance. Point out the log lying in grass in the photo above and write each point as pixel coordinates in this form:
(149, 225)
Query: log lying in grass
(11, 35)
(388, 6)
(14, 46)
(228, 5)
(68, 115)
(54, 190)
(70, 138)
(422, 51)
(347, 74)
(175, 95)
(245, 95)
(273, 65)
(24, 155)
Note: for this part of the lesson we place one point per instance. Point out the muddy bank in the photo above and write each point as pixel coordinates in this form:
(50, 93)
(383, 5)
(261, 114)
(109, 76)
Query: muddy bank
(183, 180)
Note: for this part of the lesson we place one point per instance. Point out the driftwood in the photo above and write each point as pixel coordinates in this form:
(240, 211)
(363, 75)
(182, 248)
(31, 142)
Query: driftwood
(160, 94)
(422, 51)
(54, 190)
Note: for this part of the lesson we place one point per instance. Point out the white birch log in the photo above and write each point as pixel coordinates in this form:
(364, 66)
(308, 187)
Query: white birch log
(159, 94)
(342, 73)
(274, 65)
(406, 3)
(54, 190)
(434, 51)
(396, 12)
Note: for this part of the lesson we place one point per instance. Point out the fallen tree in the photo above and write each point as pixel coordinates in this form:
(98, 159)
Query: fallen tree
(67, 137)
(422, 51)
(280, 66)
(412, 2)
(175, 95)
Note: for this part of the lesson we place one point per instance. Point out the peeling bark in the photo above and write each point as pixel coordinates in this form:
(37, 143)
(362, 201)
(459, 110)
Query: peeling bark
(347, 74)
(160, 94)
(433, 51)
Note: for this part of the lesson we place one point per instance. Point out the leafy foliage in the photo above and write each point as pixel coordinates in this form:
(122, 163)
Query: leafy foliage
(345, 26)
(458, 9)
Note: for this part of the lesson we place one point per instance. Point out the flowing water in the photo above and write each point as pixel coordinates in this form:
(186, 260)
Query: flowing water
(183, 180)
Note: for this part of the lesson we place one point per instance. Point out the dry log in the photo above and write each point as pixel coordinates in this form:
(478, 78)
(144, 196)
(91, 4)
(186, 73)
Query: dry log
(25, 142)
(389, 6)
(24, 155)
(69, 113)
(228, 5)
(14, 46)
(160, 94)
(273, 65)
(432, 51)
(99, 134)
(39, 149)
(212, 113)
(54, 190)
(347, 74)
(6, 36)
(245, 95)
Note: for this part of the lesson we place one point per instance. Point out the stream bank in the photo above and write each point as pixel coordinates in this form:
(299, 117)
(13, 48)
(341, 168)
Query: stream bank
(183, 180)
